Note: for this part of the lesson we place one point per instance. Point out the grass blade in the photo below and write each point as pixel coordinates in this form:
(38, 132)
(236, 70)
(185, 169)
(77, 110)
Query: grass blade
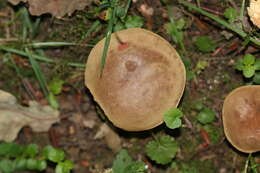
(38, 57)
(37, 71)
(108, 37)
(50, 44)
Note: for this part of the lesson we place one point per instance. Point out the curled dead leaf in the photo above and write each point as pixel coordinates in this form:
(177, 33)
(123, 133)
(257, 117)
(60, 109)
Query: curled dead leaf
(13, 117)
(57, 8)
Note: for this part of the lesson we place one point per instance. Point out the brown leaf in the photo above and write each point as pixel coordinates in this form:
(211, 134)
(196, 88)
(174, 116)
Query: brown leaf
(57, 8)
(13, 117)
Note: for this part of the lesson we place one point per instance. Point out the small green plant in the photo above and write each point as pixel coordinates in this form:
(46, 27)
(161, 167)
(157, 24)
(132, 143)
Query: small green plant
(14, 157)
(55, 86)
(205, 44)
(214, 133)
(205, 115)
(200, 66)
(230, 14)
(249, 65)
(175, 29)
(172, 118)
(162, 150)
(125, 164)
(251, 166)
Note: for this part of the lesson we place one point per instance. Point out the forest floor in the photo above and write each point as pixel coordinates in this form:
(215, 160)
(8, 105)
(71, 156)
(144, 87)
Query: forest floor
(80, 132)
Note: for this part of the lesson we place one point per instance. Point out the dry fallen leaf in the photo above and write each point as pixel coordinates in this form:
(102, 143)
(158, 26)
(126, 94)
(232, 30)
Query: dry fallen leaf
(13, 117)
(57, 8)
(254, 12)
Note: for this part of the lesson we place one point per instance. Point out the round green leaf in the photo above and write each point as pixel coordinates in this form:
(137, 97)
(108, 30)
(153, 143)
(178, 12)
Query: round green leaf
(6, 166)
(20, 164)
(205, 44)
(206, 116)
(172, 118)
(134, 22)
(53, 154)
(55, 86)
(162, 150)
(31, 150)
(64, 167)
(230, 14)
(256, 78)
(257, 64)
(248, 71)
(10, 149)
(41, 165)
(249, 59)
(31, 164)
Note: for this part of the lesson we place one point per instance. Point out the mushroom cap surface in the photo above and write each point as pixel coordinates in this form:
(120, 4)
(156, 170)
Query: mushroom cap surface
(241, 118)
(143, 77)
(254, 12)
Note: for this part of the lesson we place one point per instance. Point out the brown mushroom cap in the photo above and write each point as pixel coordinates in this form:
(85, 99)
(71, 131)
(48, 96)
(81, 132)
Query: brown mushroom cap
(143, 77)
(254, 12)
(241, 118)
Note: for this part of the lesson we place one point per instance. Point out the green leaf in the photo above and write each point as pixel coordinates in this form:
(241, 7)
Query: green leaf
(10, 149)
(177, 35)
(31, 164)
(53, 101)
(230, 14)
(64, 167)
(205, 44)
(206, 116)
(134, 22)
(119, 26)
(121, 162)
(55, 86)
(172, 118)
(162, 150)
(53, 154)
(136, 167)
(180, 24)
(120, 12)
(124, 164)
(6, 166)
(239, 65)
(249, 59)
(199, 106)
(214, 133)
(256, 78)
(257, 64)
(31, 150)
(41, 165)
(248, 71)
(20, 164)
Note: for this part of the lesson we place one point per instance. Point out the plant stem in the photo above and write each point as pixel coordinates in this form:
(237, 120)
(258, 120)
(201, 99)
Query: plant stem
(220, 21)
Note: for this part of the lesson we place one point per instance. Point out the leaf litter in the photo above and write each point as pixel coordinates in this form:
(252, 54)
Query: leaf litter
(13, 117)
(57, 8)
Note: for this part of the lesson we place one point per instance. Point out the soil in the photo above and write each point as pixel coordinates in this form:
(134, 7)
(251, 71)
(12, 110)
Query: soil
(81, 117)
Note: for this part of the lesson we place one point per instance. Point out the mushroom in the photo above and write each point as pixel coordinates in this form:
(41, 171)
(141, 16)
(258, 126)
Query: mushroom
(143, 77)
(254, 12)
(241, 118)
